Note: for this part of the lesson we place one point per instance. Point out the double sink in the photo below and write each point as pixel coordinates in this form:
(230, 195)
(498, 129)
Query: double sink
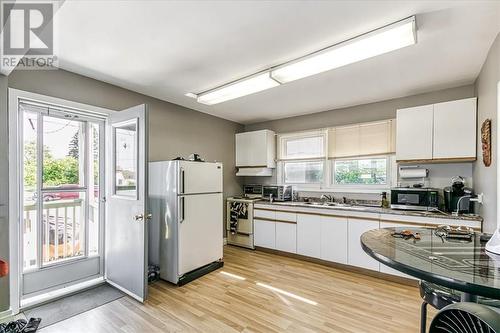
(328, 204)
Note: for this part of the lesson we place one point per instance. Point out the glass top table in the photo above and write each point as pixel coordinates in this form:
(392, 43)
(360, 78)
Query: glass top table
(457, 264)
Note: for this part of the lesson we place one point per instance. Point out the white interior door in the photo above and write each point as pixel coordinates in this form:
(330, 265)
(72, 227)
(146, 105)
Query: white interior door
(200, 231)
(127, 181)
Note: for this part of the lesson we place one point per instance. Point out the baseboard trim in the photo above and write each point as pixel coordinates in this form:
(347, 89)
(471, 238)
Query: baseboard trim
(51, 296)
(349, 268)
(5, 314)
(225, 241)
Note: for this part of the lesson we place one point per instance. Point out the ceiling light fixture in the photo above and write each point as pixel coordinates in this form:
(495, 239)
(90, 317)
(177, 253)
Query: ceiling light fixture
(386, 39)
(374, 43)
(245, 86)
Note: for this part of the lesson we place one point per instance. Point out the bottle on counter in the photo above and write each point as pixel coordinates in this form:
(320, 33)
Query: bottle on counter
(385, 202)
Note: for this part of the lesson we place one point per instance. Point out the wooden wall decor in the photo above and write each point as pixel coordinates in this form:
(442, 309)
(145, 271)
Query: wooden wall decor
(486, 141)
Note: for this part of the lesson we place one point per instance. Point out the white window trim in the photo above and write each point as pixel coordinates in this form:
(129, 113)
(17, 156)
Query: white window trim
(327, 185)
(282, 138)
(15, 259)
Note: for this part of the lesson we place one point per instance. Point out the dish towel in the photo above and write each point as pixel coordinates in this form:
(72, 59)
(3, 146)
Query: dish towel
(236, 210)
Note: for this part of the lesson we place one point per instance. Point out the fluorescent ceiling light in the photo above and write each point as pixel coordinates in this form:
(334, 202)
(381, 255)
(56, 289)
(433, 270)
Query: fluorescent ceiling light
(389, 38)
(237, 89)
(380, 41)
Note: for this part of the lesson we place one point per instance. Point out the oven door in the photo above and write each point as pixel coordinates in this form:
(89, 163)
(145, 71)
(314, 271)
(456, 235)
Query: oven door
(270, 190)
(418, 200)
(245, 225)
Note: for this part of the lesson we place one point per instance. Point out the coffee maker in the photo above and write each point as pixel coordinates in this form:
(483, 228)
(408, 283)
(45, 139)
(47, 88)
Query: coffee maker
(457, 197)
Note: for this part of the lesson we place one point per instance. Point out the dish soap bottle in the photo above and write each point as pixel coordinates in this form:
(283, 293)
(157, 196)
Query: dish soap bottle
(385, 202)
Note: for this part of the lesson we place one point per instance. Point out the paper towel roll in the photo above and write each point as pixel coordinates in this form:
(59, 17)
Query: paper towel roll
(413, 172)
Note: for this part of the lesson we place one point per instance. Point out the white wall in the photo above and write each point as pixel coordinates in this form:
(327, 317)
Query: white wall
(485, 178)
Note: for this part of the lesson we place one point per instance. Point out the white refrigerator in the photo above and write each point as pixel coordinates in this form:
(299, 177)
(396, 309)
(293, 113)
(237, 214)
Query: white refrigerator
(186, 232)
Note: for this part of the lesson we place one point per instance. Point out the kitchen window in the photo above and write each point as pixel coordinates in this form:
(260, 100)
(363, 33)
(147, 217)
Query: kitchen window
(303, 172)
(302, 157)
(369, 171)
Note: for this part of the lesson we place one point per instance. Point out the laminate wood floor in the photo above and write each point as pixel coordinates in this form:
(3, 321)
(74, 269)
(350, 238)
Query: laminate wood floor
(261, 292)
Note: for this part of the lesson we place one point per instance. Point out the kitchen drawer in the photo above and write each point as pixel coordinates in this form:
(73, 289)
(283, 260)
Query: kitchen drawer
(286, 216)
(265, 214)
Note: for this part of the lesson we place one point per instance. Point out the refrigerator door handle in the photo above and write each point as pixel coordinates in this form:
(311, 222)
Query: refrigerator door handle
(182, 181)
(181, 204)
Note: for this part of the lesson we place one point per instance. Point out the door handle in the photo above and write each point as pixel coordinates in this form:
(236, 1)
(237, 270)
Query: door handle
(182, 181)
(140, 217)
(181, 213)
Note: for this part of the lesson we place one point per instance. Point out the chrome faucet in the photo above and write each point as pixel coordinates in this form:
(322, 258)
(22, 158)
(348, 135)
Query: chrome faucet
(327, 197)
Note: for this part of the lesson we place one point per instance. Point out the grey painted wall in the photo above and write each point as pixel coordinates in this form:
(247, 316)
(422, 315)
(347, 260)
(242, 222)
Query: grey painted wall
(485, 178)
(173, 130)
(4, 192)
(361, 113)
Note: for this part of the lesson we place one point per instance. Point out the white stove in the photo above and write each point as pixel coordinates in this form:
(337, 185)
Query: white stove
(239, 221)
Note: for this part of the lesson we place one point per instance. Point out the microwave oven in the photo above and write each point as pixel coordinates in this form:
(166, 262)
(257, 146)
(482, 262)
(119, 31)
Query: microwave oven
(424, 199)
(277, 192)
(252, 190)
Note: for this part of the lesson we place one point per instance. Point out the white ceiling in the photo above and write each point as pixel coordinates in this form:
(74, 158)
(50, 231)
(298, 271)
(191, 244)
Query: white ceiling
(165, 49)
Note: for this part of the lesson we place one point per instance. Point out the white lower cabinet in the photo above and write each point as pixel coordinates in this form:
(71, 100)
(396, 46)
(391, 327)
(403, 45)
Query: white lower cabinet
(330, 238)
(334, 239)
(356, 254)
(265, 233)
(309, 235)
(384, 268)
(286, 237)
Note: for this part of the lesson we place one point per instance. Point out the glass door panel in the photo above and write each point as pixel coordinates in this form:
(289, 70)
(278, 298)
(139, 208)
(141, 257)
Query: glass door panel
(61, 167)
(63, 153)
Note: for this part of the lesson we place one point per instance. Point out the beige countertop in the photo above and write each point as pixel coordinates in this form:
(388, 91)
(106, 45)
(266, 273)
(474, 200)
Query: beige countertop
(376, 210)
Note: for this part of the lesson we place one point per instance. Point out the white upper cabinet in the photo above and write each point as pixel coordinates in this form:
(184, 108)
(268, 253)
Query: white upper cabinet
(414, 130)
(256, 149)
(437, 132)
(455, 129)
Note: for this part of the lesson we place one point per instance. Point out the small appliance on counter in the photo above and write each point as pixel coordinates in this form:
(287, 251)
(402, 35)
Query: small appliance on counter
(252, 191)
(415, 198)
(277, 192)
(457, 197)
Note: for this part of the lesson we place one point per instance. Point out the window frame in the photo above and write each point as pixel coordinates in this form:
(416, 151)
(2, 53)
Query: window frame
(305, 184)
(283, 138)
(328, 182)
